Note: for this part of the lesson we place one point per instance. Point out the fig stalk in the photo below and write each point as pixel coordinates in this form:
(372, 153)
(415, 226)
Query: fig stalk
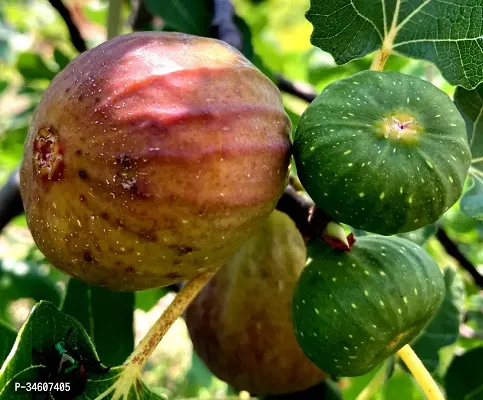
(373, 385)
(420, 373)
(135, 363)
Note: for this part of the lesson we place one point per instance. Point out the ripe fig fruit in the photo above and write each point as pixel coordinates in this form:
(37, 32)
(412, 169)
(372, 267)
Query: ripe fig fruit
(241, 322)
(151, 158)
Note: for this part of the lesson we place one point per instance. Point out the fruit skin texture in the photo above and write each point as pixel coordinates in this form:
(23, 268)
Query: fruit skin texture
(383, 152)
(354, 309)
(151, 158)
(241, 324)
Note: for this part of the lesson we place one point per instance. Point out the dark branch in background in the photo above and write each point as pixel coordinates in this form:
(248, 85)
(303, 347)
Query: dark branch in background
(310, 220)
(140, 17)
(299, 90)
(75, 35)
(224, 25)
(10, 200)
(453, 250)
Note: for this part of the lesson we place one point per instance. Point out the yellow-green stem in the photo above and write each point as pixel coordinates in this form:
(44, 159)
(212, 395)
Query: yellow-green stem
(380, 59)
(147, 345)
(420, 373)
(374, 384)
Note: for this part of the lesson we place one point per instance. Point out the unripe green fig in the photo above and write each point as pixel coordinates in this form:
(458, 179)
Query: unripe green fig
(353, 309)
(383, 152)
(241, 322)
(151, 158)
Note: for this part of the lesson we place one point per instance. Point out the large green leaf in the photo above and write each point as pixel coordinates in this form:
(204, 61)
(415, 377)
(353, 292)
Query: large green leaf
(447, 33)
(25, 279)
(7, 338)
(46, 326)
(443, 329)
(470, 105)
(464, 379)
(105, 315)
(188, 16)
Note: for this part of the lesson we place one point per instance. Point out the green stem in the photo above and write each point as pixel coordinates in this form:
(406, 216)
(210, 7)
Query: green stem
(373, 385)
(114, 18)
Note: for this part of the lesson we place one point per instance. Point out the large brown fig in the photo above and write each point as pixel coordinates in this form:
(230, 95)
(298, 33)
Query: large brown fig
(151, 158)
(241, 324)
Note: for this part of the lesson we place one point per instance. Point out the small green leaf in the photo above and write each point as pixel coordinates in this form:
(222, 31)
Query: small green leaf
(147, 299)
(78, 293)
(25, 279)
(7, 338)
(464, 379)
(32, 66)
(187, 16)
(447, 33)
(119, 327)
(61, 59)
(3, 86)
(90, 305)
(46, 326)
(197, 378)
(475, 311)
(470, 105)
(443, 329)
(401, 386)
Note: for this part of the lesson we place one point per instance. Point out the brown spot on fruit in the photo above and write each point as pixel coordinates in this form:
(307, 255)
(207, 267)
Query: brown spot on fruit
(48, 158)
(88, 257)
(104, 215)
(181, 249)
(173, 276)
(82, 198)
(82, 173)
(125, 161)
(130, 270)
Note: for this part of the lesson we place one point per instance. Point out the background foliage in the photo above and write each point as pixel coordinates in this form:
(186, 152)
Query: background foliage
(35, 44)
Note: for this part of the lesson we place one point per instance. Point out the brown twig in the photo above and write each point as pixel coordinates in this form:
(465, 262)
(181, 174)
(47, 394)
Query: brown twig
(309, 219)
(75, 35)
